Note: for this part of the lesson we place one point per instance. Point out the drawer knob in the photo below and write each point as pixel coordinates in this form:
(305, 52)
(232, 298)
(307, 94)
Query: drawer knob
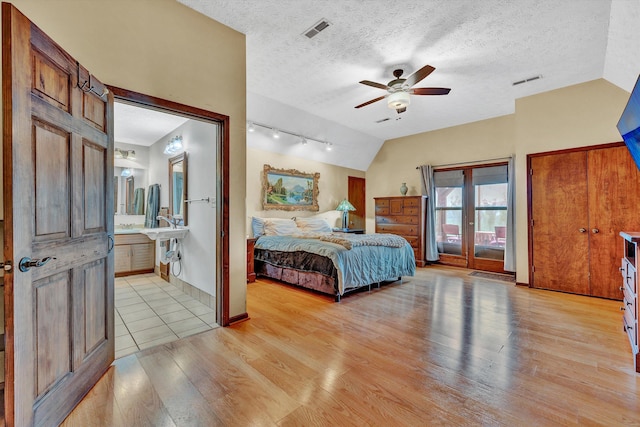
(621, 288)
(622, 308)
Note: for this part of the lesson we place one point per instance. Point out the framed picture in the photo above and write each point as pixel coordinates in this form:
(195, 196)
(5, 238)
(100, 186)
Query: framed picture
(289, 190)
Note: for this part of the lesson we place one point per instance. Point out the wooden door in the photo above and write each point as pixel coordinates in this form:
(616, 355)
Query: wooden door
(559, 213)
(357, 197)
(58, 203)
(614, 191)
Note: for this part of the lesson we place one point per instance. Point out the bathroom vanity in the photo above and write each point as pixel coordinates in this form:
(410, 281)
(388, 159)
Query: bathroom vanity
(134, 253)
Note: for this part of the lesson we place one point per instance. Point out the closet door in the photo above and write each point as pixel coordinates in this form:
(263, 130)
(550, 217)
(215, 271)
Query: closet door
(614, 191)
(559, 222)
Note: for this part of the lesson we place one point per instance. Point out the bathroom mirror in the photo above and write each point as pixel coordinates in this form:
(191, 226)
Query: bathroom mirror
(178, 187)
(129, 195)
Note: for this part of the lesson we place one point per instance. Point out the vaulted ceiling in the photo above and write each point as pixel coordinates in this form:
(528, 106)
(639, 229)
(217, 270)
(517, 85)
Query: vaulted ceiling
(309, 86)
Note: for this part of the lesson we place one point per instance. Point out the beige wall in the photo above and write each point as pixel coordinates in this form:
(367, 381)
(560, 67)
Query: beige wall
(164, 49)
(332, 184)
(575, 116)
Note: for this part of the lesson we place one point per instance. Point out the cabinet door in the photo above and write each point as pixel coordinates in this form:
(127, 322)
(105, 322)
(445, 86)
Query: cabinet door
(614, 191)
(142, 256)
(122, 257)
(560, 249)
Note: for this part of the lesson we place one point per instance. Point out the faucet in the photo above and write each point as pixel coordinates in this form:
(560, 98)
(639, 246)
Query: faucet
(173, 222)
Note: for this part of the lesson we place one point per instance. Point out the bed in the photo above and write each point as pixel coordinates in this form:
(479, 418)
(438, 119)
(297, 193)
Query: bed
(308, 254)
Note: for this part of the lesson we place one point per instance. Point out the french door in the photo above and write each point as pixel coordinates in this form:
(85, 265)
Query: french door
(471, 216)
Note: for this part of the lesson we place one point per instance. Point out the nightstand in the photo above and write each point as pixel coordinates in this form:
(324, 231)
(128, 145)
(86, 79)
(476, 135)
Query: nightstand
(251, 275)
(349, 230)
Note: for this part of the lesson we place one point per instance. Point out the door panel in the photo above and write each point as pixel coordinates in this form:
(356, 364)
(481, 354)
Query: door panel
(559, 210)
(356, 196)
(614, 191)
(58, 203)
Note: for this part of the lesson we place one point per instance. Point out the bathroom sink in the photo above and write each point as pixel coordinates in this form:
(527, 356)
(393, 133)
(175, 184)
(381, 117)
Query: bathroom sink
(165, 233)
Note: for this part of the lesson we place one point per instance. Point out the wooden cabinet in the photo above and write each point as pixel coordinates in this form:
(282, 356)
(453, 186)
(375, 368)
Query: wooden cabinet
(134, 254)
(251, 275)
(404, 216)
(629, 288)
(580, 201)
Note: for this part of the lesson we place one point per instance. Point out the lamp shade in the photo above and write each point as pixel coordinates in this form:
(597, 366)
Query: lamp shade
(398, 100)
(345, 206)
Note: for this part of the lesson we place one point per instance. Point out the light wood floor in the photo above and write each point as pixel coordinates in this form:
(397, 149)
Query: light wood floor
(443, 348)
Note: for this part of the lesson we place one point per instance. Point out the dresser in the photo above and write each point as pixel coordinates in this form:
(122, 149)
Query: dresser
(404, 216)
(629, 288)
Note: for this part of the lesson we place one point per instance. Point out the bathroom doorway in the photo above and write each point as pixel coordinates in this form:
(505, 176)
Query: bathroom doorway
(151, 310)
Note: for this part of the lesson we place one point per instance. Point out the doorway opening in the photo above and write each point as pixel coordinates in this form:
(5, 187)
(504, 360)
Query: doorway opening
(168, 288)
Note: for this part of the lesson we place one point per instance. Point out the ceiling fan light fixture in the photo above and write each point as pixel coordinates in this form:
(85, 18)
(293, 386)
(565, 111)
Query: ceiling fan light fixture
(398, 100)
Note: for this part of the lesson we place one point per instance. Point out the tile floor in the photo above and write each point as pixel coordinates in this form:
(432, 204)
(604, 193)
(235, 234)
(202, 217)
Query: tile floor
(150, 311)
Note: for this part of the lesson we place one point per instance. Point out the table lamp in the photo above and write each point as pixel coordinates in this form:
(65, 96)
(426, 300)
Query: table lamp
(345, 207)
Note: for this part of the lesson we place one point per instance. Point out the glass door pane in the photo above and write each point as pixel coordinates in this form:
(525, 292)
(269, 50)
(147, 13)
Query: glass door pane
(490, 221)
(449, 220)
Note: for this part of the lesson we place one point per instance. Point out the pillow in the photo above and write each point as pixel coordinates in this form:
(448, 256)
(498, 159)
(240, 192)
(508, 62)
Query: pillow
(313, 225)
(257, 226)
(280, 227)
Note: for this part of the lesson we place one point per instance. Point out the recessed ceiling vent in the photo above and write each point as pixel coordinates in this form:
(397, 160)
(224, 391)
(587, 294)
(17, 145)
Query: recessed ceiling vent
(530, 79)
(316, 28)
(383, 120)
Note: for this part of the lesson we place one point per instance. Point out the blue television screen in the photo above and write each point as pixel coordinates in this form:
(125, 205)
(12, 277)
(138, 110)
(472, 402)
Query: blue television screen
(629, 123)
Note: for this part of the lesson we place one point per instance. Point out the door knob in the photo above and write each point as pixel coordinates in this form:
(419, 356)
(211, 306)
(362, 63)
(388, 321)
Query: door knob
(582, 230)
(595, 230)
(26, 263)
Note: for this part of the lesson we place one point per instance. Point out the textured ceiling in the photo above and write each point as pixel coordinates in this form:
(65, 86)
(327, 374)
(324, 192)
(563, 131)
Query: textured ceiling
(477, 47)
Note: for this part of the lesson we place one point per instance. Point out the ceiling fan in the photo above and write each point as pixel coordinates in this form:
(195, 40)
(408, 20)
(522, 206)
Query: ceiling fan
(400, 89)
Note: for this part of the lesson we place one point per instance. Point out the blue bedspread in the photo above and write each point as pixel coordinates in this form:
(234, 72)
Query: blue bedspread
(359, 266)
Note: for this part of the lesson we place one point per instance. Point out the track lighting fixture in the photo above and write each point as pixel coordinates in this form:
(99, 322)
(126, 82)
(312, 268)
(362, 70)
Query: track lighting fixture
(275, 133)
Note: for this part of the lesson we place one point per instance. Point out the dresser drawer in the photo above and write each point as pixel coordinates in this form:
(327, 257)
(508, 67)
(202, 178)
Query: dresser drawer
(382, 210)
(629, 316)
(411, 203)
(414, 241)
(629, 302)
(397, 219)
(630, 329)
(630, 279)
(400, 229)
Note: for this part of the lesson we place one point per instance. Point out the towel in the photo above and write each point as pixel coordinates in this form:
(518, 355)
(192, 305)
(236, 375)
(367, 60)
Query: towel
(138, 201)
(153, 206)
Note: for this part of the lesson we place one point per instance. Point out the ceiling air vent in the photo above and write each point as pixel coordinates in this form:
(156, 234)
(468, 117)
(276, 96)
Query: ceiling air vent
(316, 28)
(383, 120)
(530, 79)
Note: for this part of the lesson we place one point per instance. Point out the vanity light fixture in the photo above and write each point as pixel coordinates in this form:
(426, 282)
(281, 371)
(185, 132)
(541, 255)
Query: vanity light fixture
(119, 153)
(276, 132)
(174, 145)
(126, 172)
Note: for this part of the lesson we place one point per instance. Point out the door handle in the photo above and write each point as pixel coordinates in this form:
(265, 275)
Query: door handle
(582, 230)
(26, 263)
(595, 230)
(111, 243)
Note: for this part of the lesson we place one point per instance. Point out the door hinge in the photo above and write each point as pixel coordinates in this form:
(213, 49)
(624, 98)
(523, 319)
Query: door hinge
(6, 266)
(531, 224)
(533, 268)
(531, 171)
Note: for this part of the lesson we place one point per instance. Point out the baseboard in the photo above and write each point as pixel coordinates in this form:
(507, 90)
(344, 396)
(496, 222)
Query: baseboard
(522, 284)
(238, 318)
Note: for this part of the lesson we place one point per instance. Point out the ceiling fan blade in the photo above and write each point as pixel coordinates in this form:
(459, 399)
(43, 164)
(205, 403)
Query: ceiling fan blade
(429, 91)
(419, 75)
(374, 84)
(371, 102)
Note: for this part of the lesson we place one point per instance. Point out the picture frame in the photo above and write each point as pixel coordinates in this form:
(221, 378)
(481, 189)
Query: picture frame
(289, 190)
